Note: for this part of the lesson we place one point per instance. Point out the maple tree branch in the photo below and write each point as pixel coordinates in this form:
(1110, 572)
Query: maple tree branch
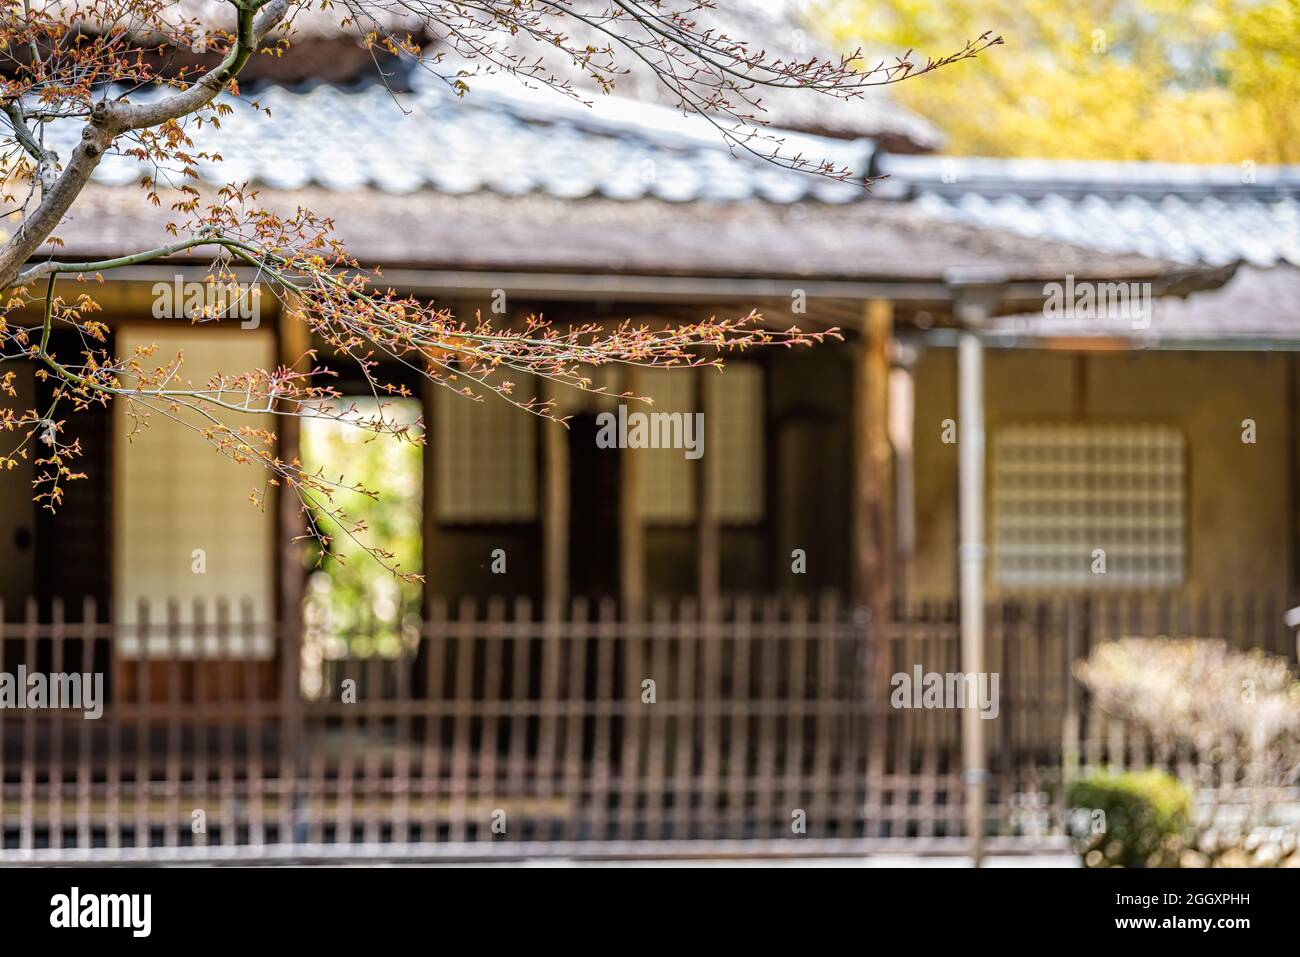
(108, 120)
(17, 119)
(51, 268)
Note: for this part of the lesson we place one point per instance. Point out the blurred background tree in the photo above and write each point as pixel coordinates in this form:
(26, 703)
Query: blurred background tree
(352, 602)
(1207, 81)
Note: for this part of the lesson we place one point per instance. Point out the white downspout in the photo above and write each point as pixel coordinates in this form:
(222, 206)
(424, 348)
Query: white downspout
(973, 301)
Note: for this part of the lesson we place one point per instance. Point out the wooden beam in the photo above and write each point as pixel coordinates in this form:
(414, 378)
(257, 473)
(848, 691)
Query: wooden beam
(873, 465)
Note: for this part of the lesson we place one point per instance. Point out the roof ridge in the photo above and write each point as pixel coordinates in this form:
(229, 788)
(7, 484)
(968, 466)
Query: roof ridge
(1032, 177)
(613, 115)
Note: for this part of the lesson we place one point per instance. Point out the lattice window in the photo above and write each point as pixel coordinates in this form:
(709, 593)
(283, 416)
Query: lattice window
(571, 401)
(1089, 506)
(733, 447)
(735, 441)
(183, 527)
(486, 457)
(665, 477)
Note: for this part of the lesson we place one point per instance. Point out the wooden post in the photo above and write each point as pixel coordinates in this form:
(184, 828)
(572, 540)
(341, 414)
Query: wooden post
(555, 508)
(1293, 470)
(293, 341)
(902, 407)
(430, 545)
(871, 522)
(631, 533)
(873, 469)
(707, 555)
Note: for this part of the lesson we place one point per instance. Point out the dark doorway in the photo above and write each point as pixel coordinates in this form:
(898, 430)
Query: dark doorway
(72, 544)
(811, 467)
(594, 489)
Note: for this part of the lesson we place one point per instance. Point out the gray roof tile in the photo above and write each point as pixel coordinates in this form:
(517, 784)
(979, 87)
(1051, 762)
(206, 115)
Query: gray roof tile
(1210, 215)
(501, 138)
(1257, 308)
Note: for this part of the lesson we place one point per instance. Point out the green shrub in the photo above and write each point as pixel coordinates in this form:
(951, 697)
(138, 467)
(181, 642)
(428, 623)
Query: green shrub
(1129, 819)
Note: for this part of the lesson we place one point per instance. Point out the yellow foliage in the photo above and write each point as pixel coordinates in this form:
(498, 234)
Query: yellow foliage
(1208, 81)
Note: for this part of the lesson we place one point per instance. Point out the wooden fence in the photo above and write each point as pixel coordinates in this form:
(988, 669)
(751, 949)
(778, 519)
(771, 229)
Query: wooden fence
(499, 722)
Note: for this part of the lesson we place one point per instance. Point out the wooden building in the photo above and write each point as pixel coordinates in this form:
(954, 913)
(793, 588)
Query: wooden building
(1168, 443)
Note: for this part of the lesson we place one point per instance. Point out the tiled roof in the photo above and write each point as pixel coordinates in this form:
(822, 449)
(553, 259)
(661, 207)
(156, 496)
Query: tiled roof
(501, 137)
(1257, 308)
(509, 140)
(542, 233)
(510, 178)
(1193, 215)
(1211, 215)
(782, 29)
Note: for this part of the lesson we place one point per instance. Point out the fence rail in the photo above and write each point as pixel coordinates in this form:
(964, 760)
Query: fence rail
(498, 722)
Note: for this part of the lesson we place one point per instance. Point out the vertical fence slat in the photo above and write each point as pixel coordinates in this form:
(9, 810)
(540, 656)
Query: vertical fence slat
(660, 722)
(686, 717)
(796, 710)
(770, 823)
(29, 766)
(372, 701)
(86, 751)
(203, 710)
(740, 717)
(143, 695)
(549, 726)
(517, 785)
(435, 652)
(490, 724)
(55, 774)
(462, 700)
(824, 702)
(172, 731)
(711, 696)
(575, 718)
(603, 717)
(632, 708)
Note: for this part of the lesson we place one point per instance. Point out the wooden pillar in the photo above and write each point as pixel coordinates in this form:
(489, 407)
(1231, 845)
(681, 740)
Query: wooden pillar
(871, 523)
(1293, 472)
(434, 560)
(428, 499)
(902, 408)
(873, 469)
(293, 341)
(707, 549)
(631, 532)
(555, 508)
